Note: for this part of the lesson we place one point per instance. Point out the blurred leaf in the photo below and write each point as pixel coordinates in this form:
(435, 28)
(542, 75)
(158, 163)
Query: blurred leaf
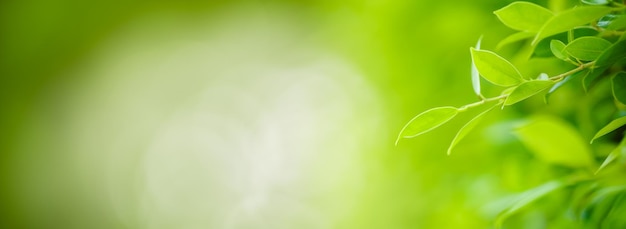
(514, 38)
(617, 23)
(567, 79)
(555, 141)
(592, 75)
(475, 74)
(523, 16)
(583, 32)
(569, 19)
(616, 153)
(495, 69)
(612, 54)
(427, 121)
(469, 126)
(596, 2)
(619, 87)
(527, 198)
(613, 125)
(527, 89)
(601, 205)
(587, 48)
(557, 47)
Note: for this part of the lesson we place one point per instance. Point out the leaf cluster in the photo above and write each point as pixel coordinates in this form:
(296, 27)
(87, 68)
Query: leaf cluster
(591, 37)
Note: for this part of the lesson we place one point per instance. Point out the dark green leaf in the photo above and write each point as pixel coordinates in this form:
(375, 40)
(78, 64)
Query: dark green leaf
(527, 198)
(469, 126)
(542, 49)
(616, 153)
(587, 48)
(569, 19)
(524, 16)
(559, 84)
(592, 74)
(555, 141)
(619, 87)
(495, 69)
(612, 54)
(527, 89)
(613, 125)
(557, 47)
(514, 38)
(583, 32)
(596, 2)
(427, 121)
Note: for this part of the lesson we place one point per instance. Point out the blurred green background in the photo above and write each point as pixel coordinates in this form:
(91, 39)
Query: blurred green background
(249, 114)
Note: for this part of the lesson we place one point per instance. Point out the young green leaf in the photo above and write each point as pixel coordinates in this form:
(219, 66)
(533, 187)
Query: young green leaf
(527, 89)
(526, 198)
(569, 19)
(542, 48)
(558, 47)
(523, 16)
(616, 153)
(427, 121)
(514, 38)
(495, 69)
(587, 48)
(469, 126)
(619, 87)
(475, 74)
(596, 2)
(555, 141)
(612, 54)
(613, 125)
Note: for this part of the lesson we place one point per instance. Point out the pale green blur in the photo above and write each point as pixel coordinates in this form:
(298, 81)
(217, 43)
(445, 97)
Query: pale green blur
(249, 114)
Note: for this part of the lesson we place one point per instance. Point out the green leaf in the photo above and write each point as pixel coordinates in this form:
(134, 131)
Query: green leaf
(587, 48)
(558, 47)
(579, 32)
(555, 141)
(523, 16)
(592, 74)
(596, 2)
(616, 153)
(514, 38)
(475, 74)
(495, 69)
(613, 125)
(469, 126)
(612, 54)
(427, 121)
(557, 85)
(619, 87)
(618, 23)
(527, 89)
(569, 19)
(526, 198)
(542, 48)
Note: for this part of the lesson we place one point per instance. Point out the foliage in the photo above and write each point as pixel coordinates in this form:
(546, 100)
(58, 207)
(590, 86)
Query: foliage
(591, 39)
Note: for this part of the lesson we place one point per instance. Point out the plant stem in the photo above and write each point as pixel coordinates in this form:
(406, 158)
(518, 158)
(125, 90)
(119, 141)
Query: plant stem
(481, 102)
(570, 72)
(554, 78)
